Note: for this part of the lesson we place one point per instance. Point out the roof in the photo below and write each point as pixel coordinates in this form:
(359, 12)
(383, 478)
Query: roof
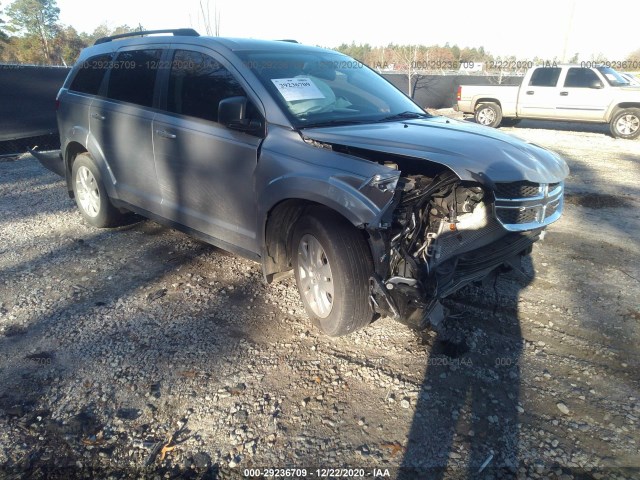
(190, 36)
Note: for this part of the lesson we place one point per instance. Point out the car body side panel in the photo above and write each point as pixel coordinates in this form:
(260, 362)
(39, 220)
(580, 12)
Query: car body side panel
(205, 172)
(317, 175)
(74, 130)
(505, 95)
(124, 131)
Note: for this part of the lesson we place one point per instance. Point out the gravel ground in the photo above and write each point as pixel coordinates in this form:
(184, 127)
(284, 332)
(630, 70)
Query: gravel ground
(142, 352)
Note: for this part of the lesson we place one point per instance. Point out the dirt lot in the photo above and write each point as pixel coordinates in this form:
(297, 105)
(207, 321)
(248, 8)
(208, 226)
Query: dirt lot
(117, 343)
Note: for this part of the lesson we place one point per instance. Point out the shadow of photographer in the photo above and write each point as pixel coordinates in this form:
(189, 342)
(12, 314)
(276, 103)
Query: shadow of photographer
(466, 419)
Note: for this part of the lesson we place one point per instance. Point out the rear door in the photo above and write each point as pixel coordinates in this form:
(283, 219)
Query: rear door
(538, 98)
(120, 122)
(583, 96)
(205, 170)
(75, 102)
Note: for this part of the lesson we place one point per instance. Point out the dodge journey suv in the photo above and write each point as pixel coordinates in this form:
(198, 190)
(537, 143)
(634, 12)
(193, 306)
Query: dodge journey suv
(304, 160)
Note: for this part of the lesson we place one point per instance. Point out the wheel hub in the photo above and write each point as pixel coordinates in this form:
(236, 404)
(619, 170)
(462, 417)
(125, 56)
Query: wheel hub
(486, 116)
(87, 191)
(628, 124)
(316, 279)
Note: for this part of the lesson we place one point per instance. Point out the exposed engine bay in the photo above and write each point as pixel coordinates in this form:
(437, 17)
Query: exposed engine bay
(444, 234)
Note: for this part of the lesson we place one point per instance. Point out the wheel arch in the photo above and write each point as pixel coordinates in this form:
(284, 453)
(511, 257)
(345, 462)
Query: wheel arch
(621, 106)
(279, 226)
(479, 101)
(72, 150)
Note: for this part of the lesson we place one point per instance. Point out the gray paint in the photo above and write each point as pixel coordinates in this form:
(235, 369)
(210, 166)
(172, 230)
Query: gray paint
(223, 184)
(472, 151)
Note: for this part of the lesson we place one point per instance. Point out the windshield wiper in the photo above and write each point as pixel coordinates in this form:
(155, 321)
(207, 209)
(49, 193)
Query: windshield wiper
(331, 123)
(404, 115)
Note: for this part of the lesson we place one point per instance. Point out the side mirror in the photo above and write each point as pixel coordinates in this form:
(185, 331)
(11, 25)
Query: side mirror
(232, 110)
(596, 84)
(232, 113)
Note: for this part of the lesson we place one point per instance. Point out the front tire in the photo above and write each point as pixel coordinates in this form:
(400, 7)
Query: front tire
(488, 114)
(90, 194)
(626, 123)
(332, 265)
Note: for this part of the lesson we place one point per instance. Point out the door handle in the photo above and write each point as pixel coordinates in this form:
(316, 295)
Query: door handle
(564, 94)
(165, 134)
(530, 92)
(97, 116)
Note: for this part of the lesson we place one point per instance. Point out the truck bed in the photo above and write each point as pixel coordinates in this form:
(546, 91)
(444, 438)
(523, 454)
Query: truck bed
(472, 95)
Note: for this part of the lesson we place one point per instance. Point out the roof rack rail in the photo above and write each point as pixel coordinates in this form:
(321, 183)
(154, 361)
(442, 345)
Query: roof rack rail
(287, 40)
(182, 32)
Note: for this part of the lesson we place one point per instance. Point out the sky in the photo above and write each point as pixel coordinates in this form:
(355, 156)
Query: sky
(542, 28)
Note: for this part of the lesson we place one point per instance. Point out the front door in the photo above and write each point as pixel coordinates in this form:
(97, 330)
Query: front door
(205, 170)
(583, 96)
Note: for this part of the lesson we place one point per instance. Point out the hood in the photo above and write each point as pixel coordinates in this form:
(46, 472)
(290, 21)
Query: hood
(471, 151)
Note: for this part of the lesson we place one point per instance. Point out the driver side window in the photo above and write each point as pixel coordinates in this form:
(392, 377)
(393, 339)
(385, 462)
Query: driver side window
(197, 84)
(580, 78)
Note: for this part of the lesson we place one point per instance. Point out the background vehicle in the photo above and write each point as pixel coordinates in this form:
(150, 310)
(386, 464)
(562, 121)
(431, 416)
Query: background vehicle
(305, 160)
(565, 92)
(633, 80)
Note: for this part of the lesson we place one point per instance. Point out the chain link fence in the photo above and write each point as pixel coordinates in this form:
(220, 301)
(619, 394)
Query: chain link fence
(12, 148)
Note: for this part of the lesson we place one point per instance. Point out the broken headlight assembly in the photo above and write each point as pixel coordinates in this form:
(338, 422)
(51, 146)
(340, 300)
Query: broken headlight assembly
(444, 234)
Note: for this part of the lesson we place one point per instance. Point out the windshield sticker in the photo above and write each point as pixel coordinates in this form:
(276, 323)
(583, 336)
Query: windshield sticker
(298, 88)
(611, 77)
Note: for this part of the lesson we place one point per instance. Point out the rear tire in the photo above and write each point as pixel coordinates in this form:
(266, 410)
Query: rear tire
(488, 114)
(626, 123)
(332, 265)
(90, 194)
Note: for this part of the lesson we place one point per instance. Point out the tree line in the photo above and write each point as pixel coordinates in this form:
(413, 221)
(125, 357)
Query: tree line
(405, 57)
(31, 33)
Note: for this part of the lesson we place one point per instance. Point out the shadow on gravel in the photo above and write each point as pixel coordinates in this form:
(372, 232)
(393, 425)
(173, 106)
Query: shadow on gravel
(555, 125)
(28, 174)
(82, 445)
(16, 170)
(596, 200)
(563, 126)
(603, 196)
(468, 403)
(39, 206)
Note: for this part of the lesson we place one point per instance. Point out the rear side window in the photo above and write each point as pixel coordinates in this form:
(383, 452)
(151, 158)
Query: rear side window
(580, 78)
(197, 83)
(133, 76)
(90, 74)
(545, 77)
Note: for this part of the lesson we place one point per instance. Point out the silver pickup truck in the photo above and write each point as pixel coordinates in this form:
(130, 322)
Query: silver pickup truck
(564, 92)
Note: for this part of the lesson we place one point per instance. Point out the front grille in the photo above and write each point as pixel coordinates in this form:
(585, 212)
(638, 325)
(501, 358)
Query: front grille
(525, 205)
(517, 190)
(552, 208)
(515, 216)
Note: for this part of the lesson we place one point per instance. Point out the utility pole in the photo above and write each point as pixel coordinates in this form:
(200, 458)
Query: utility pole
(568, 31)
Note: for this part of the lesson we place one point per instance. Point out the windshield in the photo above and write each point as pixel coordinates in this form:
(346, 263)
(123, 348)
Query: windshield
(613, 77)
(322, 88)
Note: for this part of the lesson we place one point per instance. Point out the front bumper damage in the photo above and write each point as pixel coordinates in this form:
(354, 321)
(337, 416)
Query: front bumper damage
(440, 234)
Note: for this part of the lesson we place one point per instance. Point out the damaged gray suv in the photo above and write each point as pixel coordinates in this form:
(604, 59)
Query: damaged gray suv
(304, 160)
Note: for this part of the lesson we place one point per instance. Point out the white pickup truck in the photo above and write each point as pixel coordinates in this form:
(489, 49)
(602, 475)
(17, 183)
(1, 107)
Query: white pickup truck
(563, 92)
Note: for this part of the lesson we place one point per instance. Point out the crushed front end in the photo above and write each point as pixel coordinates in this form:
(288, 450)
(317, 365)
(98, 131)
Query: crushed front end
(443, 233)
